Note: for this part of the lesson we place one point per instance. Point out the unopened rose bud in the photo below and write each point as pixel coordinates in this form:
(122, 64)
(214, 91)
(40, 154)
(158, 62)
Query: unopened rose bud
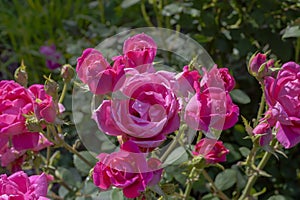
(255, 64)
(67, 72)
(21, 75)
(265, 131)
(51, 88)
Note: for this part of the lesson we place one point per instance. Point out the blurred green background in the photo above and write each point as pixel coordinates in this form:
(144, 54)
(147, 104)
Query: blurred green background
(230, 30)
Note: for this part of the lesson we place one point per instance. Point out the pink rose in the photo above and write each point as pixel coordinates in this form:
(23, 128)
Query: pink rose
(264, 129)
(211, 106)
(44, 107)
(126, 169)
(15, 101)
(95, 71)
(282, 96)
(19, 186)
(139, 50)
(228, 79)
(212, 150)
(145, 109)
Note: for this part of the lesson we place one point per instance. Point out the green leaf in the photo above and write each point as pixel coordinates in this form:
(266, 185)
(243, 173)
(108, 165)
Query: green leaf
(291, 31)
(244, 151)
(234, 154)
(239, 96)
(176, 157)
(128, 3)
(70, 176)
(62, 191)
(117, 194)
(82, 166)
(226, 179)
(209, 197)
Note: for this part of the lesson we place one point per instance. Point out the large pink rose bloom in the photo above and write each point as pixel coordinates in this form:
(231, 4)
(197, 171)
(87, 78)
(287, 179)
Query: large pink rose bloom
(126, 169)
(145, 110)
(93, 70)
(211, 106)
(19, 186)
(15, 101)
(282, 95)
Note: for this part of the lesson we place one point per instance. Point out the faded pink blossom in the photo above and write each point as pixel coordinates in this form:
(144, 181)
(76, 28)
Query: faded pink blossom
(126, 169)
(19, 186)
(53, 57)
(212, 150)
(93, 70)
(282, 96)
(145, 110)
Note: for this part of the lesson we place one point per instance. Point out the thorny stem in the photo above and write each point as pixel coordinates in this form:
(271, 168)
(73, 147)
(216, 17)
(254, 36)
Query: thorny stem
(62, 143)
(251, 181)
(261, 108)
(190, 182)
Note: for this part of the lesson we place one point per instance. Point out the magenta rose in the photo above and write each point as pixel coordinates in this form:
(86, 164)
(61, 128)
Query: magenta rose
(12, 157)
(145, 109)
(139, 50)
(126, 169)
(15, 101)
(213, 108)
(229, 82)
(212, 150)
(19, 186)
(93, 70)
(44, 107)
(282, 96)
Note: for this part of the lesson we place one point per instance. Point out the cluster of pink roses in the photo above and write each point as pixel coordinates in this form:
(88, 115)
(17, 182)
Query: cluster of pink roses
(21, 112)
(282, 92)
(19, 186)
(144, 107)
